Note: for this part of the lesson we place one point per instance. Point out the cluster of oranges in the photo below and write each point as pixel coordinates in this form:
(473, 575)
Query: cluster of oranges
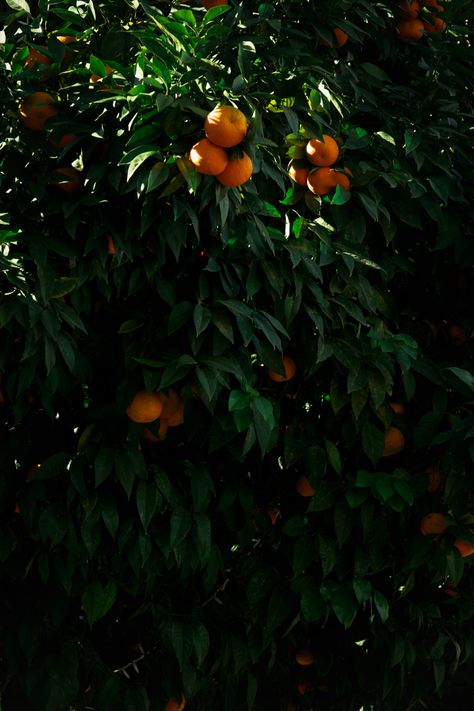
(146, 407)
(34, 111)
(314, 170)
(436, 524)
(411, 27)
(225, 127)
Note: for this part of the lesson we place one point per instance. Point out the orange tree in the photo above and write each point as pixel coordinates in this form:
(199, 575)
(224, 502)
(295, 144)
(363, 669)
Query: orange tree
(237, 433)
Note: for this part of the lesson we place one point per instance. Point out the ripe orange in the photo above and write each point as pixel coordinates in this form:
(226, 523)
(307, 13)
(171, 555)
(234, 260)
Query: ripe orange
(410, 30)
(274, 515)
(434, 24)
(63, 141)
(303, 487)
(434, 4)
(322, 152)
(111, 249)
(177, 418)
(298, 171)
(237, 172)
(213, 3)
(397, 407)
(322, 180)
(145, 407)
(162, 430)
(464, 547)
(35, 57)
(457, 335)
(304, 657)
(208, 158)
(341, 36)
(304, 686)
(433, 523)
(72, 180)
(36, 109)
(289, 366)
(394, 441)
(408, 10)
(226, 126)
(435, 479)
(174, 705)
(96, 77)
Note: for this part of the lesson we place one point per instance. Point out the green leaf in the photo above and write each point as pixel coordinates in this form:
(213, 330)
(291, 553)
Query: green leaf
(362, 589)
(19, 6)
(124, 473)
(382, 606)
(103, 464)
(334, 456)
(147, 502)
(344, 606)
(372, 442)
(279, 607)
(324, 496)
(97, 599)
(181, 522)
(201, 642)
(202, 318)
(313, 606)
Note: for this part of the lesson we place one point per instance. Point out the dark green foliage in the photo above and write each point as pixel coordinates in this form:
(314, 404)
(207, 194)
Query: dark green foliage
(132, 571)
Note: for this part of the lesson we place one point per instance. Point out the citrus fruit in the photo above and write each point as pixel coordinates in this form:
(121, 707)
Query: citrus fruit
(304, 657)
(163, 429)
(411, 29)
(322, 180)
(464, 547)
(322, 151)
(94, 78)
(435, 479)
(175, 705)
(394, 441)
(434, 4)
(289, 366)
(433, 523)
(304, 686)
(213, 3)
(145, 407)
(226, 126)
(303, 487)
(341, 36)
(71, 182)
(457, 335)
(111, 249)
(434, 24)
(397, 407)
(237, 171)
(274, 514)
(298, 171)
(408, 10)
(36, 57)
(208, 158)
(36, 109)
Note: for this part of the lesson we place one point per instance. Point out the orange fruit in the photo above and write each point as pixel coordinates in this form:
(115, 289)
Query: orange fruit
(341, 36)
(450, 591)
(35, 57)
(411, 29)
(322, 152)
(435, 479)
(298, 172)
(36, 109)
(457, 335)
(397, 407)
(177, 418)
(213, 3)
(72, 180)
(96, 77)
(304, 686)
(433, 523)
(274, 515)
(408, 10)
(464, 547)
(17, 508)
(237, 172)
(175, 705)
(289, 366)
(394, 441)
(226, 126)
(111, 249)
(208, 158)
(145, 407)
(434, 4)
(303, 487)
(63, 141)
(323, 180)
(434, 24)
(162, 430)
(304, 657)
